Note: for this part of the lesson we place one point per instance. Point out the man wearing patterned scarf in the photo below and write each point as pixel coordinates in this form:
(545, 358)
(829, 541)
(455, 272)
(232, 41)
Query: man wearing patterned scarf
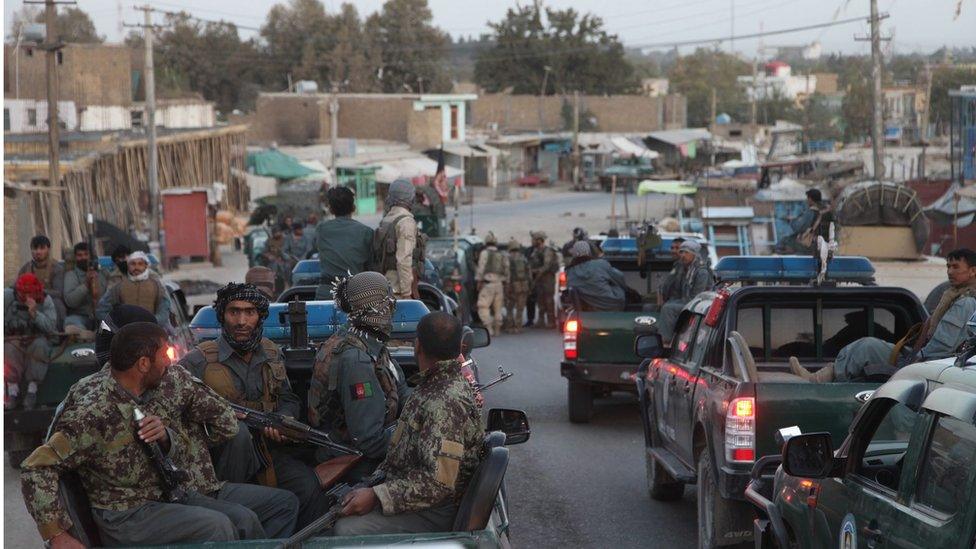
(357, 389)
(248, 369)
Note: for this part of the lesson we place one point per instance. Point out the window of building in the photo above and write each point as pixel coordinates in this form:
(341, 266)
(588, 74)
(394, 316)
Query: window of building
(59, 55)
(136, 117)
(31, 117)
(455, 132)
(6, 120)
(946, 473)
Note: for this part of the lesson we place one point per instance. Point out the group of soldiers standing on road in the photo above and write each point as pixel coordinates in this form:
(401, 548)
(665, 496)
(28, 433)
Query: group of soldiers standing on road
(49, 300)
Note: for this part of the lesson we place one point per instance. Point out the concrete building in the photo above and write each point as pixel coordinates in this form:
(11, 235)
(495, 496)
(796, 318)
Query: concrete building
(777, 80)
(903, 108)
(655, 87)
(423, 121)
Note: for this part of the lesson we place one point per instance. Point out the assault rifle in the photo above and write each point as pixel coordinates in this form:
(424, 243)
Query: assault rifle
(170, 475)
(327, 472)
(503, 376)
(337, 495)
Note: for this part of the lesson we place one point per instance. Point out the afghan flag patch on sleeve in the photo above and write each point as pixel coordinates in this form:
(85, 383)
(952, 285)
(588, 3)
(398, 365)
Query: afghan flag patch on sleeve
(360, 391)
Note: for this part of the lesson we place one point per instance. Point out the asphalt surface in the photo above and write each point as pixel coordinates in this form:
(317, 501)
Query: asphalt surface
(577, 485)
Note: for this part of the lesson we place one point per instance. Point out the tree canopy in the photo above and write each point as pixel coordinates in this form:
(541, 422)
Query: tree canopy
(578, 53)
(696, 75)
(74, 25)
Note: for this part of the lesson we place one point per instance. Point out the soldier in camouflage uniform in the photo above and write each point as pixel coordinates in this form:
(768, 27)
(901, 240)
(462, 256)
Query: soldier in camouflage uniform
(492, 276)
(248, 369)
(357, 390)
(95, 436)
(518, 287)
(435, 450)
(544, 264)
(398, 245)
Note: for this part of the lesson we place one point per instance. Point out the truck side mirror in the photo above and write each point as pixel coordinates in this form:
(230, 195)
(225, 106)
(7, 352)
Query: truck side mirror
(514, 423)
(808, 456)
(480, 338)
(649, 346)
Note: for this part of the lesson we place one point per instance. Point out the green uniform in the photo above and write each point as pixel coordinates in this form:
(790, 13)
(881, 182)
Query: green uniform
(345, 248)
(517, 291)
(544, 264)
(356, 394)
(78, 298)
(433, 454)
(492, 274)
(94, 435)
(30, 354)
(259, 383)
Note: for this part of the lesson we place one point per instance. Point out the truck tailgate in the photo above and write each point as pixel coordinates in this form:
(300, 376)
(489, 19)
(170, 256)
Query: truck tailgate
(813, 407)
(607, 336)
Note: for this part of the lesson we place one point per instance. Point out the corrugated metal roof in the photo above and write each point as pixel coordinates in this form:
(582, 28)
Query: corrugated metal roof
(684, 135)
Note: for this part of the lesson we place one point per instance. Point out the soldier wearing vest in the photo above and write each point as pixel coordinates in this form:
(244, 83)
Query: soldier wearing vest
(517, 291)
(544, 264)
(397, 246)
(48, 270)
(248, 369)
(357, 390)
(492, 275)
(139, 287)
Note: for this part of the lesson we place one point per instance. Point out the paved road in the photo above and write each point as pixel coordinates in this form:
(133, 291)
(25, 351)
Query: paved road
(577, 485)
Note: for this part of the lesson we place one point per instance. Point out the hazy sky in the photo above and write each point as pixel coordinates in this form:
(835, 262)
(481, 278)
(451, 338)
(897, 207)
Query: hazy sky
(917, 25)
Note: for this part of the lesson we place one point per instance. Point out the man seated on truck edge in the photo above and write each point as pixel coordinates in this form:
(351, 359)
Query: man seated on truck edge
(83, 287)
(694, 278)
(141, 287)
(600, 286)
(30, 320)
(938, 337)
(248, 369)
(97, 436)
(433, 453)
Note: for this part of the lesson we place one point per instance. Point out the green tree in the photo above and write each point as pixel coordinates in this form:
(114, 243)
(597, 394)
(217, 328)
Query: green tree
(74, 24)
(819, 120)
(944, 80)
(412, 49)
(696, 75)
(354, 62)
(579, 53)
(298, 39)
(854, 79)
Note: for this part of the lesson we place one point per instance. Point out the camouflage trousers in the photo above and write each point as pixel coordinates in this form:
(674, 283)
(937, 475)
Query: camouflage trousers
(515, 300)
(491, 301)
(546, 302)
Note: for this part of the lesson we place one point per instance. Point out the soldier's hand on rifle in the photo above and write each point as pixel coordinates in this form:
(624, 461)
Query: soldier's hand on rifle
(359, 502)
(64, 540)
(240, 415)
(151, 429)
(273, 434)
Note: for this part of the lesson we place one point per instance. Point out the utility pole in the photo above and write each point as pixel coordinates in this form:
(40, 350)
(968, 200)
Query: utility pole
(924, 130)
(334, 137)
(713, 112)
(732, 29)
(576, 155)
(877, 125)
(150, 123)
(542, 93)
(52, 46)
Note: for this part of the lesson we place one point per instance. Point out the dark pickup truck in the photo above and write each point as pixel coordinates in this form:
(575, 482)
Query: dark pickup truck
(715, 400)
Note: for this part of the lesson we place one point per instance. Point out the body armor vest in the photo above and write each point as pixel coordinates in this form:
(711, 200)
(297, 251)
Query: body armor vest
(220, 378)
(142, 294)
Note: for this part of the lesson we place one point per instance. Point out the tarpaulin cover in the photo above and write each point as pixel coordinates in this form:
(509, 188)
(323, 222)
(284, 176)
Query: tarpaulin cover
(274, 163)
(664, 187)
(876, 203)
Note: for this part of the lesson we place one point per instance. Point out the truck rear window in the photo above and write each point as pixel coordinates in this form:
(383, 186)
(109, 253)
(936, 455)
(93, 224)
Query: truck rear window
(777, 332)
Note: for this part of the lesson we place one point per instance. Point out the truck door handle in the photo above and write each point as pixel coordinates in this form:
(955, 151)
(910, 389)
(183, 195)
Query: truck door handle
(872, 533)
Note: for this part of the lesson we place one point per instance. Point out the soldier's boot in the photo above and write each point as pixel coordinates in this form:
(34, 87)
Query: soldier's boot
(498, 325)
(30, 399)
(823, 375)
(12, 396)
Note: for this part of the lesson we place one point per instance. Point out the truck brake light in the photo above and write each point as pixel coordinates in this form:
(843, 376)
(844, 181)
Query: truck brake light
(718, 306)
(740, 430)
(570, 332)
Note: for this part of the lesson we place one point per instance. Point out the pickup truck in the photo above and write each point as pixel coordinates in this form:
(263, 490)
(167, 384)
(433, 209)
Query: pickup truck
(904, 476)
(597, 345)
(714, 401)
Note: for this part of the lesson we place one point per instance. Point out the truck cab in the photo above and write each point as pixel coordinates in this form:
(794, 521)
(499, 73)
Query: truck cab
(713, 401)
(597, 345)
(903, 476)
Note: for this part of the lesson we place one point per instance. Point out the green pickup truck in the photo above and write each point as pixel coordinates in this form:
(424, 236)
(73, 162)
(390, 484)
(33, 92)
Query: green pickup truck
(904, 475)
(713, 402)
(598, 353)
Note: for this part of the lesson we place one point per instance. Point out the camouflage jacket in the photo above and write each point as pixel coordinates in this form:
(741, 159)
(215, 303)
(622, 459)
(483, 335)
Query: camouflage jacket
(543, 261)
(356, 391)
(437, 444)
(95, 436)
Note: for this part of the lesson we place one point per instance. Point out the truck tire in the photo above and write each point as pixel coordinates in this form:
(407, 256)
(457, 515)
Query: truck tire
(580, 402)
(660, 485)
(718, 517)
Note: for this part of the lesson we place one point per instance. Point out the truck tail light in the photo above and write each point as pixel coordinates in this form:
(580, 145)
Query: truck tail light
(740, 430)
(562, 281)
(570, 333)
(718, 306)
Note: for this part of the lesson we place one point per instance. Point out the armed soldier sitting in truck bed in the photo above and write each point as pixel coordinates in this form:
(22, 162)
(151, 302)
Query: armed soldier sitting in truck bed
(134, 501)
(938, 337)
(248, 369)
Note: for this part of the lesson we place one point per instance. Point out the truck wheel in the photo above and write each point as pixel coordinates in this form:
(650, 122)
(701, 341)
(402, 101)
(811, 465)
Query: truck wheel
(580, 402)
(660, 485)
(718, 517)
